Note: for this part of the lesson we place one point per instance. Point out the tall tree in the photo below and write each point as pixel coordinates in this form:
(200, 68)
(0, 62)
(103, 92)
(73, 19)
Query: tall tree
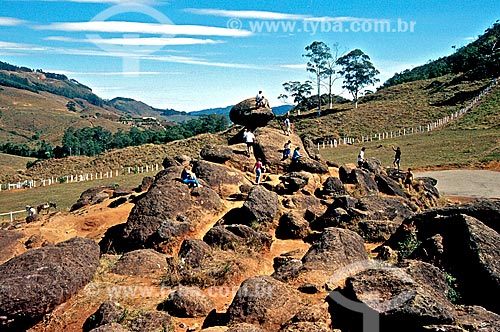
(358, 72)
(332, 71)
(318, 54)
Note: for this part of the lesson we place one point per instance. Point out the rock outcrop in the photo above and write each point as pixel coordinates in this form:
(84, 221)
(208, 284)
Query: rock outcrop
(42, 278)
(265, 302)
(248, 114)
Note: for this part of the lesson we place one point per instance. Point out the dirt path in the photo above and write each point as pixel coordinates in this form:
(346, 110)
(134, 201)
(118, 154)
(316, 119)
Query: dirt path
(466, 183)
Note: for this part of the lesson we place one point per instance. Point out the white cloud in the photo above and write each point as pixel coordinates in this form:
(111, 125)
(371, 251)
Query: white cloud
(146, 28)
(266, 15)
(118, 73)
(247, 14)
(346, 19)
(301, 66)
(138, 41)
(10, 21)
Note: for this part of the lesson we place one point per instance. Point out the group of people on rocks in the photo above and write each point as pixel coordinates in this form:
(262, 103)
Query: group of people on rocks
(408, 180)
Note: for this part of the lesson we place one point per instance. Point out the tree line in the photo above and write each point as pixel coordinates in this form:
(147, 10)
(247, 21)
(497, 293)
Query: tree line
(90, 141)
(478, 60)
(327, 65)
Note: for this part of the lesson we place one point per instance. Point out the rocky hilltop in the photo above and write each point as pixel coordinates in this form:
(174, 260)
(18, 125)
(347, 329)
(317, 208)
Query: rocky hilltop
(314, 247)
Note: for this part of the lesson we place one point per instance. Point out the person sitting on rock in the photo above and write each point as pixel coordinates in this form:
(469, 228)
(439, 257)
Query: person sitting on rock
(287, 149)
(259, 99)
(296, 154)
(189, 178)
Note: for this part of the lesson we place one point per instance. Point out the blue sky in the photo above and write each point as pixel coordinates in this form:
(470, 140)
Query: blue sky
(191, 55)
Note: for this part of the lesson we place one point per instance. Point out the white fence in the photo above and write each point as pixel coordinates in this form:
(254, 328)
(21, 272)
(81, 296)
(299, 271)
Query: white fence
(11, 214)
(411, 129)
(80, 177)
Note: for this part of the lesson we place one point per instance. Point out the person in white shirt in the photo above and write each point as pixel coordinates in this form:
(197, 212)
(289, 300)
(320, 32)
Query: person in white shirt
(287, 126)
(361, 157)
(250, 141)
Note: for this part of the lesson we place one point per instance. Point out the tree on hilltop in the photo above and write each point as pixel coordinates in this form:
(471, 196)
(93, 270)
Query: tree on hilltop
(319, 57)
(358, 72)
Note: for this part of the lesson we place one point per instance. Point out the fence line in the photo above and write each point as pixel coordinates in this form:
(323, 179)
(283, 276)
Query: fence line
(79, 177)
(11, 214)
(333, 143)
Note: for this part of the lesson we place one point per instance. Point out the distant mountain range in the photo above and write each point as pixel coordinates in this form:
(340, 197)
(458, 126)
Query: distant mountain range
(225, 110)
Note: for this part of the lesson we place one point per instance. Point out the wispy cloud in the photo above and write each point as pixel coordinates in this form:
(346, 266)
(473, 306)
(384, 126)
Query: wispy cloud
(276, 16)
(10, 21)
(301, 66)
(247, 14)
(117, 73)
(138, 41)
(146, 28)
(345, 19)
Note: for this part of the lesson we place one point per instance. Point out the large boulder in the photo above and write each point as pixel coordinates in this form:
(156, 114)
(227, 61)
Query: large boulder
(333, 187)
(222, 179)
(373, 165)
(412, 297)
(162, 216)
(307, 164)
(111, 327)
(292, 226)
(261, 205)
(231, 237)
(246, 113)
(187, 302)
(331, 254)
(295, 181)
(468, 249)
(216, 153)
(194, 252)
(269, 147)
(388, 186)
(40, 279)
(93, 196)
(265, 302)
(373, 217)
(364, 180)
(335, 249)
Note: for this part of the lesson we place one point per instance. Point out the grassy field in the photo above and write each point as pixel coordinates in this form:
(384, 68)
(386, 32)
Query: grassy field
(65, 195)
(12, 161)
(441, 148)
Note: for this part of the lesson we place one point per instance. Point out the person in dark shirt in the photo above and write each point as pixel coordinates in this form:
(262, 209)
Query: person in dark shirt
(397, 157)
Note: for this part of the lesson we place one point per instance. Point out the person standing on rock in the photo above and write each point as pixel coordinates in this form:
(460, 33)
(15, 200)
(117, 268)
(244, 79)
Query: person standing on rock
(397, 157)
(361, 157)
(250, 141)
(287, 148)
(288, 126)
(258, 170)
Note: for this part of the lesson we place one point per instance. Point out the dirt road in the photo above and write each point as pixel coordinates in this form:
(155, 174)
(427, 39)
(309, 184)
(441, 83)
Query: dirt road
(466, 183)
